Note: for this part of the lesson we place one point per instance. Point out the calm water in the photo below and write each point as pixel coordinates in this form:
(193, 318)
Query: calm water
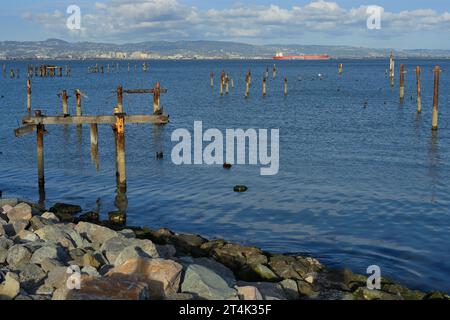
(357, 186)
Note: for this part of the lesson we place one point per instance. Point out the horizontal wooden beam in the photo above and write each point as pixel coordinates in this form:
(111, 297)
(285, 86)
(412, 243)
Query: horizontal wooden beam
(22, 131)
(156, 119)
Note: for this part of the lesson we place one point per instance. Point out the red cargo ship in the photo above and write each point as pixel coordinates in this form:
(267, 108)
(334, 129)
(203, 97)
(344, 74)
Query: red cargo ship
(281, 56)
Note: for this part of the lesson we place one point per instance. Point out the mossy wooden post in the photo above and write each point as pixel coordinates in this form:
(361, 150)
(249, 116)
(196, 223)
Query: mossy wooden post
(419, 97)
(65, 104)
(28, 95)
(211, 79)
(341, 67)
(274, 71)
(285, 86)
(12, 74)
(222, 82)
(402, 82)
(434, 125)
(94, 145)
(120, 153)
(264, 87)
(40, 129)
(119, 99)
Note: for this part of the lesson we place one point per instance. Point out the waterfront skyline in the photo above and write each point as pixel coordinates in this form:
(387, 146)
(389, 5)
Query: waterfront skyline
(404, 24)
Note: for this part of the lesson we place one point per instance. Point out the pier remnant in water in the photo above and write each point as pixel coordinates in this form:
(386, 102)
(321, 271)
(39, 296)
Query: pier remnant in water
(65, 105)
(274, 71)
(434, 125)
(341, 67)
(248, 81)
(156, 91)
(264, 88)
(392, 68)
(285, 86)
(227, 84)
(419, 97)
(211, 79)
(28, 95)
(222, 81)
(402, 82)
(118, 120)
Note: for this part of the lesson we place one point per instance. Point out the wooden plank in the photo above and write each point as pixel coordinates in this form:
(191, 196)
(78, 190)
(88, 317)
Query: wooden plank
(156, 119)
(22, 131)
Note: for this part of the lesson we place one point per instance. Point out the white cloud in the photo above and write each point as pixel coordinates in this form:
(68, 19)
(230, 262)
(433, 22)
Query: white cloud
(132, 20)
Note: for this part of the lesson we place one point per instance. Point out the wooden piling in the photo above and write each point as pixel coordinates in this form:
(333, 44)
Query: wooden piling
(391, 66)
(157, 98)
(402, 82)
(434, 125)
(227, 85)
(274, 71)
(247, 84)
(29, 95)
(211, 79)
(65, 104)
(264, 87)
(285, 86)
(119, 99)
(120, 153)
(341, 67)
(419, 97)
(232, 83)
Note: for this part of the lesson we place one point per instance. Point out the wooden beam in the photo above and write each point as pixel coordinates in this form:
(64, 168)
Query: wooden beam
(22, 131)
(75, 120)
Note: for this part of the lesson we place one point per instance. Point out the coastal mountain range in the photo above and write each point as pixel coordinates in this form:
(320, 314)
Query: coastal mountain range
(59, 49)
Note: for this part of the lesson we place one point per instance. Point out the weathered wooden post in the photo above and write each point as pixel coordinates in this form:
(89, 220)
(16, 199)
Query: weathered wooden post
(65, 104)
(211, 79)
(232, 83)
(12, 73)
(402, 82)
(119, 99)
(227, 84)
(419, 97)
(29, 95)
(4, 71)
(274, 71)
(120, 153)
(222, 81)
(40, 129)
(434, 125)
(60, 72)
(264, 87)
(129, 68)
(267, 72)
(392, 69)
(285, 86)
(94, 145)
(157, 98)
(341, 67)
(18, 73)
(247, 84)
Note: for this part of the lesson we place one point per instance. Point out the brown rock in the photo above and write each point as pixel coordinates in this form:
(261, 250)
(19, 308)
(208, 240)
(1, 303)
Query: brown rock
(115, 287)
(162, 276)
(20, 212)
(249, 293)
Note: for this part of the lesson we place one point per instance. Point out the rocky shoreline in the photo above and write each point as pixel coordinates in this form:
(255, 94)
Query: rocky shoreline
(58, 255)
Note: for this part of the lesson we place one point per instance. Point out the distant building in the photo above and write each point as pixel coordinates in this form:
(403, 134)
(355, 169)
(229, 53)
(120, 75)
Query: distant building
(139, 55)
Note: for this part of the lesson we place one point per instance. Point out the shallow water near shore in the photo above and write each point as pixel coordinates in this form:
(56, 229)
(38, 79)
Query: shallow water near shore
(357, 185)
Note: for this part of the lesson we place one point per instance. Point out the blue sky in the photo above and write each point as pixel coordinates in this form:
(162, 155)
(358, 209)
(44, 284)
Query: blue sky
(404, 24)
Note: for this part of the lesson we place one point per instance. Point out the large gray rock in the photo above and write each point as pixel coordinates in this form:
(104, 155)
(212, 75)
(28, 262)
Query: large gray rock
(15, 227)
(95, 233)
(18, 255)
(20, 212)
(9, 202)
(206, 284)
(48, 252)
(38, 222)
(114, 247)
(3, 255)
(31, 277)
(2, 230)
(6, 243)
(27, 236)
(61, 234)
(10, 288)
(57, 277)
(49, 264)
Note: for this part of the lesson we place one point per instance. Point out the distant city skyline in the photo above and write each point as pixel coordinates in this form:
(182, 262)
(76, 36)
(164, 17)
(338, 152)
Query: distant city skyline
(404, 24)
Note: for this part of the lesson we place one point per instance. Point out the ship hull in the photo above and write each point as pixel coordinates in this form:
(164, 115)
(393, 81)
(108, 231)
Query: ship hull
(304, 57)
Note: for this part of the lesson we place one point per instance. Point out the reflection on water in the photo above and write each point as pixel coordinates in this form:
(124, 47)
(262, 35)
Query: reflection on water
(359, 183)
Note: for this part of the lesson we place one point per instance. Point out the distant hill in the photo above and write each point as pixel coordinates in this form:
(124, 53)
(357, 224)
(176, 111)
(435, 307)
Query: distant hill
(59, 49)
